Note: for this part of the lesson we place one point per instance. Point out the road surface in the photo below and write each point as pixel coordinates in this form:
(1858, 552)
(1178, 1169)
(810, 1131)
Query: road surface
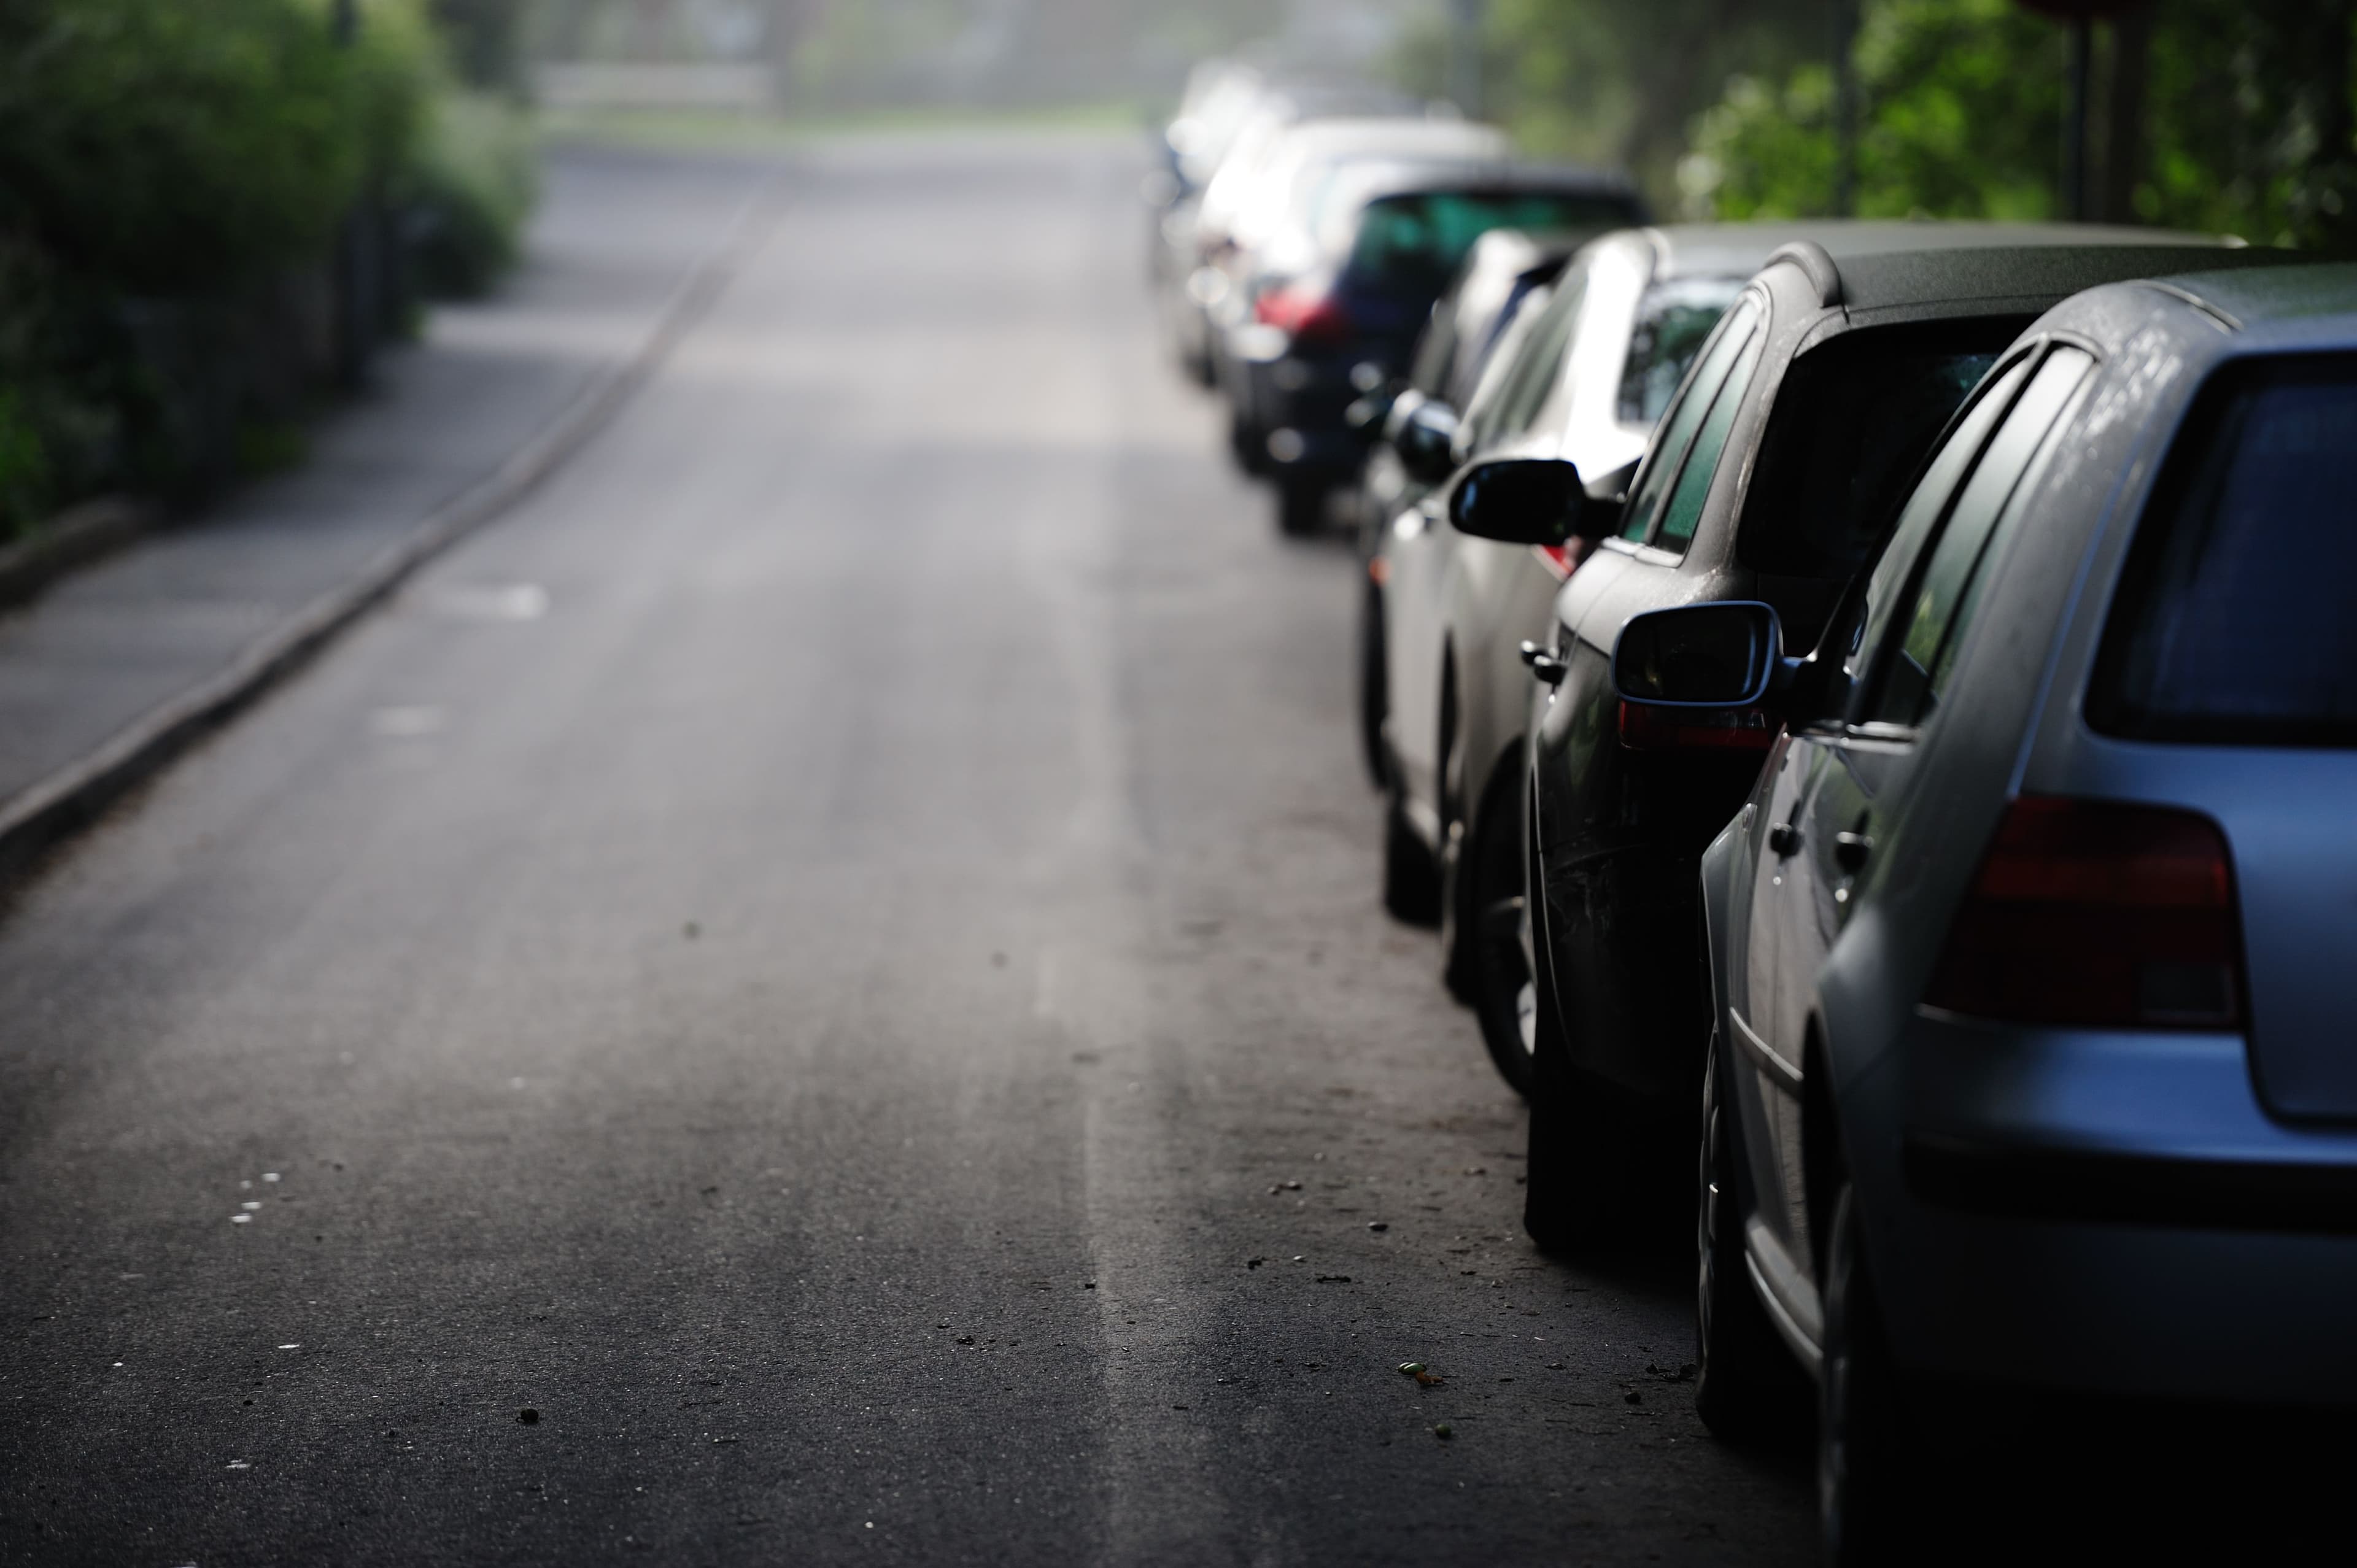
(816, 994)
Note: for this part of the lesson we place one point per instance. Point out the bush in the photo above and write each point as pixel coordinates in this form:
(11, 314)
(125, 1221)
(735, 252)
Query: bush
(173, 176)
(1961, 115)
(469, 192)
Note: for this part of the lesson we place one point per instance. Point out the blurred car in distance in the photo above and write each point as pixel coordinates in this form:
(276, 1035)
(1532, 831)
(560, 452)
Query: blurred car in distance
(1195, 224)
(2029, 1067)
(1347, 294)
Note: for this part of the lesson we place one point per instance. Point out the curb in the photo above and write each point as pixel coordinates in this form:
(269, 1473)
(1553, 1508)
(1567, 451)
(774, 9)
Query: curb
(74, 538)
(68, 799)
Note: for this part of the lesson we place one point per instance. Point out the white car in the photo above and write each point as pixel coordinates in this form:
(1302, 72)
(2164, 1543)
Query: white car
(1589, 378)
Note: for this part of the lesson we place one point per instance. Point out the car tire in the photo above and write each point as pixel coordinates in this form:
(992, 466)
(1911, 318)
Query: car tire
(1374, 685)
(1583, 1144)
(1865, 1476)
(1492, 941)
(1746, 1384)
(1411, 882)
(1300, 507)
(1248, 445)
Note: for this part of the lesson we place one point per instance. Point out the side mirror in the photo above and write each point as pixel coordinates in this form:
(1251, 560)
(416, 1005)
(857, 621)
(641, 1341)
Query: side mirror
(1518, 500)
(1424, 441)
(1726, 654)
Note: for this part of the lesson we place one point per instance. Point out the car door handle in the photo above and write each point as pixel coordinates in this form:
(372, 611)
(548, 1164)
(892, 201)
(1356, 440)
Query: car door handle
(1784, 838)
(1850, 850)
(1545, 666)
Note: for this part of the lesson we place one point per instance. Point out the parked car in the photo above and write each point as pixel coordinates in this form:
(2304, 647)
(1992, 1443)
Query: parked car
(2031, 1062)
(1266, 238)
(1591, 376)
(1343, 302)
(1197, 227)
(1768, 477)
(1505, 279)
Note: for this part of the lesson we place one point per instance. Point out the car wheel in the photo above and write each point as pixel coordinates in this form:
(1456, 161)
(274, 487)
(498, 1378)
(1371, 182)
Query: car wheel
(1248, 445)
(1411, 885)
(1496, 939)
(1300, 507)
(1374, 685)
(1746, 1384)
(1583, 1140)
(1864, 1476)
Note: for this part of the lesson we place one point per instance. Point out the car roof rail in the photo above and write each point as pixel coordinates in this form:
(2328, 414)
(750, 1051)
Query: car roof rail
(1812, 259)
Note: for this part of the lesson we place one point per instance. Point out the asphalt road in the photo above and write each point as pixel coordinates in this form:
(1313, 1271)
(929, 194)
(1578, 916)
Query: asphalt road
(832, 958)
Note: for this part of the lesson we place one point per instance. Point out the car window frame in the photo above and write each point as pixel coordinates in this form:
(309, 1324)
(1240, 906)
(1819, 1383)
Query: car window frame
(1869, 691)
(1658, 455)
(1839, 718)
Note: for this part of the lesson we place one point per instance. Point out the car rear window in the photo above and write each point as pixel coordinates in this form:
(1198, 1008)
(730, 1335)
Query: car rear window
(1851, 426)
(2233, 625)
(1671, 322)
(1414, 241)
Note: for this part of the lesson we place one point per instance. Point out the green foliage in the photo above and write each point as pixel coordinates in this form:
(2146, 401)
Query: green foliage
(2249, 122)
(170, 171)
(172, 147)
(1618, 81)
(469, 192)
(1962, 105)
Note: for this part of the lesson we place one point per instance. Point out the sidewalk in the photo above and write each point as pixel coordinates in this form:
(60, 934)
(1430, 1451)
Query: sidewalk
(102, 676)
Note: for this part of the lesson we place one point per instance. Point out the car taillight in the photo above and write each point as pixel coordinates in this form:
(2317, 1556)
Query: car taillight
(1307, 316)
(1645, 727)
(1555, 558)
(2101, 914)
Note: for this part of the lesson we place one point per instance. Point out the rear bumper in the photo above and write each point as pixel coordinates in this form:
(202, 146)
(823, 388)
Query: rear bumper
(2106, 1212)
(1297, 402)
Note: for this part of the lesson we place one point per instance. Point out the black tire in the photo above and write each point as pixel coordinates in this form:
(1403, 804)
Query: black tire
(1411, 882)
(1300, 507)
(1248, 445)
(1492, 941)
(1865, 1490)
(1374, 686)
(1747, 1385)
(1585, 1144)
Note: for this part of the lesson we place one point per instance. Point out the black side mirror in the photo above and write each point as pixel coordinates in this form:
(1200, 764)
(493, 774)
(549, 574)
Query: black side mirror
(1726, 654)
(1423, 439)
(1518, 500)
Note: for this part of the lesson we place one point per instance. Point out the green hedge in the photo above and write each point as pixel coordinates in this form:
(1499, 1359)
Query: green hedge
(174, 175)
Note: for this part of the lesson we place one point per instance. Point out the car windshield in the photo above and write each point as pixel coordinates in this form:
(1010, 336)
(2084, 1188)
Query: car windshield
(1671, 322)
(1851, 425)
(2233, 624)
(1414, 241)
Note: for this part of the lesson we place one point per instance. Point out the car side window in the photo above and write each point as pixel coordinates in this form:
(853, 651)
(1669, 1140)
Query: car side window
(1684, 511)
(1917, 519)
(1532, 375)
(1945, 593)
(1684, 420)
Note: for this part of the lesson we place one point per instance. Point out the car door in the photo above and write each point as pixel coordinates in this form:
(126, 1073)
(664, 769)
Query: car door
(1851, 763)
(1423, 545)
(1770, 1040)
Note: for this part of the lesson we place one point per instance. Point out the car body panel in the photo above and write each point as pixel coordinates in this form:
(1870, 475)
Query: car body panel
(2124, 1211)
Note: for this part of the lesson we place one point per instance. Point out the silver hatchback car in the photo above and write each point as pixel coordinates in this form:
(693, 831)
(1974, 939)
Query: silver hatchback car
(2034, 1062)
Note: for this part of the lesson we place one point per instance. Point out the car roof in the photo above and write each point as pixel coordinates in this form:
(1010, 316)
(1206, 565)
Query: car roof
(1414, 137)
(1937, 267)
(2289, 292)
(1372, 180)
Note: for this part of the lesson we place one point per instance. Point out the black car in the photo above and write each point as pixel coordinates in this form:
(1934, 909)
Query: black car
(1770, 477)
(1354, 290)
